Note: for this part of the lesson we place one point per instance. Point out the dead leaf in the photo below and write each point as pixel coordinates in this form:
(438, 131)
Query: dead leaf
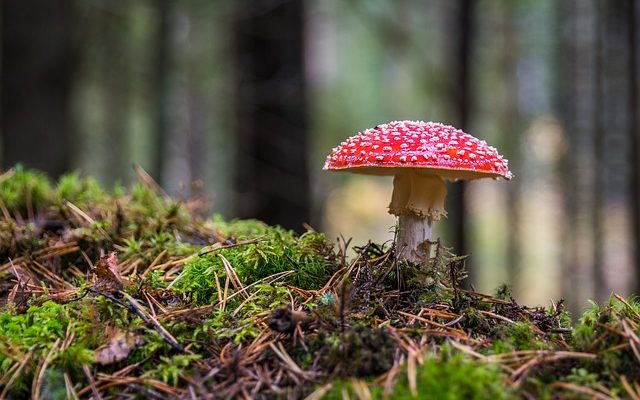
(117, 347)
(107, 276)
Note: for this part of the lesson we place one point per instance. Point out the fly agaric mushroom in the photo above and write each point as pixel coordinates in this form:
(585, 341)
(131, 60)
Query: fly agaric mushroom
(420, 156)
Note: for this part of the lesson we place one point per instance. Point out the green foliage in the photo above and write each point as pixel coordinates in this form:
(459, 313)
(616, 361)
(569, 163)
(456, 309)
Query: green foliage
(521, 336)
(53, 385)
(241, 229)
(39, 327)
(456, 377)
(359, 351)
(81, 191)
(585, 331)
(237, 322)
(26, 189)
(170, 369)
(275, 250)
(37, 330)
(444, 376)
(148, 247)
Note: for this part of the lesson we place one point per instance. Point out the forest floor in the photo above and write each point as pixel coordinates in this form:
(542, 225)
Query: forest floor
(129, 293)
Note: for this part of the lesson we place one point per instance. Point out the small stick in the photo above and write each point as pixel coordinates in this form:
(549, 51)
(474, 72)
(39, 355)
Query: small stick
(142, 313)
(92, 382)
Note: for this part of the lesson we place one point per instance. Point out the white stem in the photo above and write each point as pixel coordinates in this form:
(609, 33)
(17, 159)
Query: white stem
(418, 200)
(411, 241)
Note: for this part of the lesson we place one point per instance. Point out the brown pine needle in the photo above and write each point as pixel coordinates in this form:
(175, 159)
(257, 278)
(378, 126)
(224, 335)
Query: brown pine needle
(412, 375)
(71, 391)
(582, 390)
(42, 368)
(627, 387)
(231, 273)
(286, 358)
(319, 392)
(137, 307)
(361, 389)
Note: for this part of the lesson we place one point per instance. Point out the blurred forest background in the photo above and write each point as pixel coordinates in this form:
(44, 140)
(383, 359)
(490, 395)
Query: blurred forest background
(246, 97)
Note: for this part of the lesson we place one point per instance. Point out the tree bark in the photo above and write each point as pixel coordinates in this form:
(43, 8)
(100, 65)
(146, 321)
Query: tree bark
(576, 99)
(462, 104)
(162, 59)
(271, 176)
(38, 62)
(634, 135)
(511, 138)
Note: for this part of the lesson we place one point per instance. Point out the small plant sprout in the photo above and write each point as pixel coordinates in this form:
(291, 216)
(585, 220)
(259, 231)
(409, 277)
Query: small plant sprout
(420, 156)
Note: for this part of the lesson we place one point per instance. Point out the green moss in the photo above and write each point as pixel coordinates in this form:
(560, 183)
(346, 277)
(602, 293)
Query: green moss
(26, 189)
(53, 385)
(39, 326)
(81, 191)
(170, 369)
(37, 330)
(585, 331)
(309, 257)
(237, 323)
(359, 351)
(521, 336)
(241, 229)
(442, 377)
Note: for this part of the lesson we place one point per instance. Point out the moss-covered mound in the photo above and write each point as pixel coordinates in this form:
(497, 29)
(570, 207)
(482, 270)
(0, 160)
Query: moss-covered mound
(128, 293)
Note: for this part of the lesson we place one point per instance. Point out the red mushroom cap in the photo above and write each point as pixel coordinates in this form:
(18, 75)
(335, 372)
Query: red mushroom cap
(430, 146)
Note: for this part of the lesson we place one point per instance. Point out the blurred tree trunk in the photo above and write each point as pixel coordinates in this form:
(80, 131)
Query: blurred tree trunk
(511, 137)
(634, 135)
(161, 86)
(576, 100)
(116, 88)
(271, 176)
(463, 34)
(599, 155)
(616, 116)
(38, 61)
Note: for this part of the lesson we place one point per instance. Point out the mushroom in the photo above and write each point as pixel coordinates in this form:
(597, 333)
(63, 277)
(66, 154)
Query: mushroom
(420, 156)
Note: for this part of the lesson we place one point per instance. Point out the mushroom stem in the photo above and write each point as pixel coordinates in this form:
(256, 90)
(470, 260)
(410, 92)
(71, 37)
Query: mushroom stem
(418, 200)
(413, 232)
